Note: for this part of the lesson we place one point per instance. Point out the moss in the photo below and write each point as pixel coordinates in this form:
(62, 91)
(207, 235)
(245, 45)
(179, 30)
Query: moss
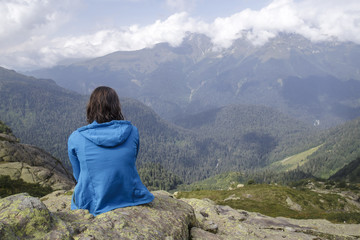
(39, 223)
(68, 193)
(26, 222)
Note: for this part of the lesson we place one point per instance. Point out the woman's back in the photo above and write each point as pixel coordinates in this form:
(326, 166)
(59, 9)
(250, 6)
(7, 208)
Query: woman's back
(103, 157)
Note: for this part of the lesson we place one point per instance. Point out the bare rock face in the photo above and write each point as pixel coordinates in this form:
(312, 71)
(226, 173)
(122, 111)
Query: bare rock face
(31, 164)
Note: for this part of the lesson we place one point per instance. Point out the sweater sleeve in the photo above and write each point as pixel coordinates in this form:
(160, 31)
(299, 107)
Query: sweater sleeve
(73, 159)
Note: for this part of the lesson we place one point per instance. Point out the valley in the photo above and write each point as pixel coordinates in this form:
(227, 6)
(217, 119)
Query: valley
(279, 112)
(236, 138)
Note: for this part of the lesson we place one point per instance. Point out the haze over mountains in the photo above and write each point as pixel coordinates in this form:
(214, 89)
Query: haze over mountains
(316, 82)
(44, 114)
(231, 138)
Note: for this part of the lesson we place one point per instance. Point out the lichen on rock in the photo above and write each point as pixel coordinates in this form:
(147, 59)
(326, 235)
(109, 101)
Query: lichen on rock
(163, 218)
(23, 216)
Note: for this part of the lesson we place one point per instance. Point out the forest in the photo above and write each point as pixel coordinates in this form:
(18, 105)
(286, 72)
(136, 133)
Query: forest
(235, 138)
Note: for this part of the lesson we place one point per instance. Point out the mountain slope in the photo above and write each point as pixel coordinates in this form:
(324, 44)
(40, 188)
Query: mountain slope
(341, 145)
(39, 111)
(43, 114)
(193, 77)
(338, 148)
(349, 173)
(335, 156)
(256, 134)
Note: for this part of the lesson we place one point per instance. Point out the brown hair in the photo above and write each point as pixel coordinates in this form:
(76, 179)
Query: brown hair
(103, 106)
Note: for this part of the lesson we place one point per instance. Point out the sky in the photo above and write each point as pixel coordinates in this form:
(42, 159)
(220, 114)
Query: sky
(42, 33)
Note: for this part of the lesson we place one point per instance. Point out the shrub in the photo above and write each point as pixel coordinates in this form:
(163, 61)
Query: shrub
(9, 187)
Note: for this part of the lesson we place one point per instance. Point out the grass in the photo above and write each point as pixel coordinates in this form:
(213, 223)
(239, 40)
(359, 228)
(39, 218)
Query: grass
(221, 181)
(292, 162)
(270, 200)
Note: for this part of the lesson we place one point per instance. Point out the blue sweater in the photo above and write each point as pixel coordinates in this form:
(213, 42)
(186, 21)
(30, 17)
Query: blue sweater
(103, 159)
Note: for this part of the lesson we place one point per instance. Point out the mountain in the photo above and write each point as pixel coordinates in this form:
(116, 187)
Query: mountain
(40, 112)
(335, 156)
(240, 137)
(258, 135)
(317, 82)
(44, 114)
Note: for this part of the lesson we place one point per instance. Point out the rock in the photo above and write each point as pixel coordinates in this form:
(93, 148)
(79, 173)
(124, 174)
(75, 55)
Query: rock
(236, 224)
(210, 226)
(23, 216)
(31, 164)
(292, 205)
(26, 217)
(164, 218)
(232, 197)
(326, 228)
(9, 138)
(200, 234)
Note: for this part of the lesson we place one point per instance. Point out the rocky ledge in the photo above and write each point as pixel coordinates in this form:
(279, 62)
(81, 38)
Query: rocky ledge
(32, 164)
(26, 217)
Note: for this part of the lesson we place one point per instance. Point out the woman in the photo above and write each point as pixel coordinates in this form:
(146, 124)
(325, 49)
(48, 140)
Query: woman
(103, 156)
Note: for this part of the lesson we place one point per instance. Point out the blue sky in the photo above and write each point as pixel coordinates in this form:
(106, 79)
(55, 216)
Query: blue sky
(41, 33)
(127, 12)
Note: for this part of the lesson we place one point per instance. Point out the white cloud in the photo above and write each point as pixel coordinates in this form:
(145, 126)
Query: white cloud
(172, 30)
(25, 40)
(22, 19)
(326, 19)
(317, 21)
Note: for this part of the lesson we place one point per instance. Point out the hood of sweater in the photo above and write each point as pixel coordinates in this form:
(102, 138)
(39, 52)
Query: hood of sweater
(109, 134)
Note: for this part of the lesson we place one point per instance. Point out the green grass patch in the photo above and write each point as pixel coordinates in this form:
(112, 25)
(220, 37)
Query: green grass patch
(292, 162)
(220, 181)
(273, 200)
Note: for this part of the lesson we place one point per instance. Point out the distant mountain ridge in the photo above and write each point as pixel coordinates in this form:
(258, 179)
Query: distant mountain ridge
(193, 77)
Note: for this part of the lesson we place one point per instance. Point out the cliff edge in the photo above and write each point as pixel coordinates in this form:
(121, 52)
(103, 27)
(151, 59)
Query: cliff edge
(31, 164)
